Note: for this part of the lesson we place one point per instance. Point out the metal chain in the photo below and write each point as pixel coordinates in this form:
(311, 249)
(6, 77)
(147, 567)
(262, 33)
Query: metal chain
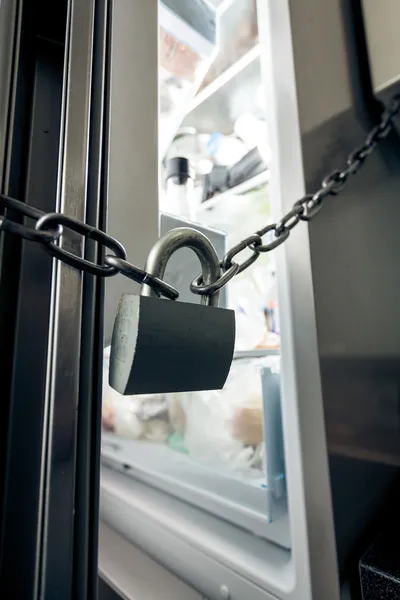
(49, 227)
(304, 209)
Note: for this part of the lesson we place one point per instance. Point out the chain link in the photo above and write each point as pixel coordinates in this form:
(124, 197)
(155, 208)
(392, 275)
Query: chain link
(310, 205)
(27, 233)
(52, 220)
(140, 276)
(49, 227)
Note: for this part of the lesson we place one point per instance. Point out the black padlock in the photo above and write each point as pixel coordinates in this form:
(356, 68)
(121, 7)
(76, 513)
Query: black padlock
(161, 346)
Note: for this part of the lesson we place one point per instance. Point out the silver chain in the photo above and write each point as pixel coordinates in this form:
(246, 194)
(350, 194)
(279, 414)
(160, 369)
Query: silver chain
(50, 227)
(304, 209)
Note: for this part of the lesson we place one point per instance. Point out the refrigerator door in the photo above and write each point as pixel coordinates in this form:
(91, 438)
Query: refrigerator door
(51, 102)
(191, 517)
(383, 42)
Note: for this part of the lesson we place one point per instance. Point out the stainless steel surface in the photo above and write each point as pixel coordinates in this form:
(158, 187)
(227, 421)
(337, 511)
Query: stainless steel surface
(184, 237)
(31, 174)
(87, 480)
(132, 151)
(8, 35)
(65, 321)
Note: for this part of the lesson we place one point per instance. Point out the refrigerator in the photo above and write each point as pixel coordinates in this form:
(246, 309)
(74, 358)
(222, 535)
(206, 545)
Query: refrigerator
(275, 486)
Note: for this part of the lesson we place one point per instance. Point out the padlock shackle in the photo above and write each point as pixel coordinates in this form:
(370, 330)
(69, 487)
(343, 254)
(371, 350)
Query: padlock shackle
(184, 237)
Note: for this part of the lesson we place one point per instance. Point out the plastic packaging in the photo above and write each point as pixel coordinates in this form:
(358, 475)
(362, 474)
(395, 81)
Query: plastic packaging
(220, 429)
(225, 150)
(134, 417)
(224, 429)
(251, 325)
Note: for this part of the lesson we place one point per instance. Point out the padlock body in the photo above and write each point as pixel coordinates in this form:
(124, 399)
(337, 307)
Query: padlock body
(162, 346)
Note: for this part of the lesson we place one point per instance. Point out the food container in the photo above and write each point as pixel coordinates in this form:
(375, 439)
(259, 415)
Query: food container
(187, 47)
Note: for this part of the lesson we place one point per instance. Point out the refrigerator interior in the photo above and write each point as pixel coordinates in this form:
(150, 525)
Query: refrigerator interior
(230, 461)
